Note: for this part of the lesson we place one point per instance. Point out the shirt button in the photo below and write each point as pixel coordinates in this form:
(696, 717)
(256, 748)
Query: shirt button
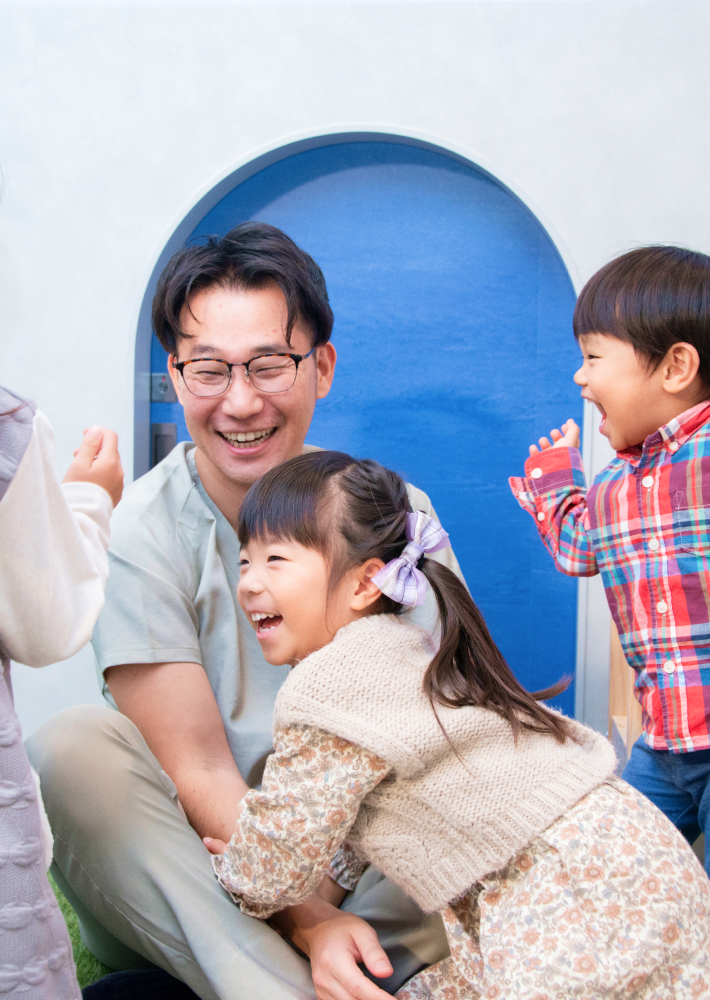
(647, 481)
(536, 473)
(674, 446)
(654, 544)
(669, 667)
(541, 516)
(662, 607)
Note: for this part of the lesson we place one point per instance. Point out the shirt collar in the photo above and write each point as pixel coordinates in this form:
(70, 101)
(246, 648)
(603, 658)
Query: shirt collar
(673, 435)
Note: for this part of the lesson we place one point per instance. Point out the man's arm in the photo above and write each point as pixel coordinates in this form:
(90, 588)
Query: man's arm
(173, 707)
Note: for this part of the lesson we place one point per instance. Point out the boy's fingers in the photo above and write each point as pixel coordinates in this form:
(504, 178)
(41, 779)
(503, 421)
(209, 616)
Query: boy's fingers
(544, 443)
(556, 435)
(533, 449)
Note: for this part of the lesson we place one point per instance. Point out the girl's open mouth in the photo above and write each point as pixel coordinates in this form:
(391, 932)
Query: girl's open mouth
(265, 623)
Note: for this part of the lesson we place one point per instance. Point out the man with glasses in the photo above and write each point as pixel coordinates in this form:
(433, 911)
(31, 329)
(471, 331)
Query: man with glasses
(246, 322)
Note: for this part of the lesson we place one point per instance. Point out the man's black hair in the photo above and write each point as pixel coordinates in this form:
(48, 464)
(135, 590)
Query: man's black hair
(652, 298)
(250, 256)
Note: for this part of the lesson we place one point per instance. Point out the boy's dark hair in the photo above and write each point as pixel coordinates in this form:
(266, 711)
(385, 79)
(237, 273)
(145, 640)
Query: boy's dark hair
(351, 510)
(651, 298)
(250, 256)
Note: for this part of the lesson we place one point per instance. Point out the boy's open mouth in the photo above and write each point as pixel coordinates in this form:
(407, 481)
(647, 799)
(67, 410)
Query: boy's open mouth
(265, 623)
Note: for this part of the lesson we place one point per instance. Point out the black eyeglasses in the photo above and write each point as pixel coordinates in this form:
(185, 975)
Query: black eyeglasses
(267, 373)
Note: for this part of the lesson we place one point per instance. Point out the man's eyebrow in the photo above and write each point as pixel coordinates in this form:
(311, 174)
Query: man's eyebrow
(208, 351)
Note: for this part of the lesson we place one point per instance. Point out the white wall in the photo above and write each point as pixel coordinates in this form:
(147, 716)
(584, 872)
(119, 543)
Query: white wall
(116, 117)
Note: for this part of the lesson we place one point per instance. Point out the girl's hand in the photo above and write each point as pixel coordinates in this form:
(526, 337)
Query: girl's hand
(214, 846)
(568, 437)
(335, 948)
(97, 461)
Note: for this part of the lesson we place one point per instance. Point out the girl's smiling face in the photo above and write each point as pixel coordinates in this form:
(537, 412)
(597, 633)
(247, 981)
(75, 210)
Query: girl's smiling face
(283, 591)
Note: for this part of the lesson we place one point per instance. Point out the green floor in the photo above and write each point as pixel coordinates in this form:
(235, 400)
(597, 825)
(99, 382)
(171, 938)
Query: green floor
(88, 968)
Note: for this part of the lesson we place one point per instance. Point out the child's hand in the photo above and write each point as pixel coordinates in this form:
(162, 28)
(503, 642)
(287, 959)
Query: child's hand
(97, 461)
(568, 437)
(214, 846)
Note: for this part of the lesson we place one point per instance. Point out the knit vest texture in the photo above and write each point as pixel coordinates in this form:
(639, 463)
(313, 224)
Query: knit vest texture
(435, 825)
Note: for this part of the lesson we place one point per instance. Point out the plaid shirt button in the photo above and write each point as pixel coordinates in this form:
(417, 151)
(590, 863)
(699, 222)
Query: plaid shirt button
(535, 474)
(647, 481)
(654, 544)
(662, 607)
(669, 667)
(674, 446)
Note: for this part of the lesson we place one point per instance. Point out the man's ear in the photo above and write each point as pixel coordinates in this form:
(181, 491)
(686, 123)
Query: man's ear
(326, 356)
(366, 592)
(680, 367)
(176, 377)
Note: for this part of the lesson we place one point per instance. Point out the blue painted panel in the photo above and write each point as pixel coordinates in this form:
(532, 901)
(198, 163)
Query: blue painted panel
(453, 330)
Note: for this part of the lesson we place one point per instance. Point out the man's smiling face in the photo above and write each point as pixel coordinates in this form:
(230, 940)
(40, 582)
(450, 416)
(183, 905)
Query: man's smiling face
(237, 324)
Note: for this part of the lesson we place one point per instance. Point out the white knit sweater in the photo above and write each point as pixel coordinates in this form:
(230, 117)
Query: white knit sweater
(434, 825)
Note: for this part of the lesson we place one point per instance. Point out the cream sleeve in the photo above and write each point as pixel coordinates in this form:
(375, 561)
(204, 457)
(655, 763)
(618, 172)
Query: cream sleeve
(53, 563)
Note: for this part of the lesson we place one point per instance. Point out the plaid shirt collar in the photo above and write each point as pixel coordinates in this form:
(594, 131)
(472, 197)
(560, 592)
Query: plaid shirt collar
(672, 436)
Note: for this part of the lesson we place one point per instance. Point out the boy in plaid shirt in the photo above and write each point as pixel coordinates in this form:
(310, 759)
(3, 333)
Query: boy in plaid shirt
(643, 326)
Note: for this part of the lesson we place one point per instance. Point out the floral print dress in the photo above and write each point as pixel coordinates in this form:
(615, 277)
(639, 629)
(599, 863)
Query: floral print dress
(608, 902)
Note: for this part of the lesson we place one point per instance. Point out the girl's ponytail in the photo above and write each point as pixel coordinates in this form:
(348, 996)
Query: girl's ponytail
(469, 669)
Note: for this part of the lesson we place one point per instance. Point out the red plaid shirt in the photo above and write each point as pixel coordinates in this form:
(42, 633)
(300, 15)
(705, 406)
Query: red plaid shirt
(645, 526)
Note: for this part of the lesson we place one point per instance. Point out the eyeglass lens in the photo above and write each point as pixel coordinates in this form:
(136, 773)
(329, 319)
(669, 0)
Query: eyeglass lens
(269, 373)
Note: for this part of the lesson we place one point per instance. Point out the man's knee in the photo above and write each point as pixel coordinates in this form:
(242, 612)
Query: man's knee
(81, 755)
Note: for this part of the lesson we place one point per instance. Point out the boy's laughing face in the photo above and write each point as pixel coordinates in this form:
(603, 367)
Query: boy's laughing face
(630, 398)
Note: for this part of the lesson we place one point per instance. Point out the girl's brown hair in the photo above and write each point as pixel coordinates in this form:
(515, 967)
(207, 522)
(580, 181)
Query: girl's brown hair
(353, 510)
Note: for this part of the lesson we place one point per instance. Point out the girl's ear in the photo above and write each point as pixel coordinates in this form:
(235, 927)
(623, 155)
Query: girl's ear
(365, 592)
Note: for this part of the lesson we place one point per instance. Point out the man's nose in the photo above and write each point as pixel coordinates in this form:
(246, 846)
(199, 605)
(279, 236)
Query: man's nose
(241, 399)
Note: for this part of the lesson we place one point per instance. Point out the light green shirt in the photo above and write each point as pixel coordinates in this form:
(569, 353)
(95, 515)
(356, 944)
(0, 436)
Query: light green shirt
(171, 596)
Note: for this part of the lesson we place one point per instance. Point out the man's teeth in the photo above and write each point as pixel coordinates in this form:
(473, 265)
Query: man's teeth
(247, 437)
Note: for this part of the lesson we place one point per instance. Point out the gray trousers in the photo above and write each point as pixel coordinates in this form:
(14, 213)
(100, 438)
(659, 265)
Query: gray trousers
(141, 880)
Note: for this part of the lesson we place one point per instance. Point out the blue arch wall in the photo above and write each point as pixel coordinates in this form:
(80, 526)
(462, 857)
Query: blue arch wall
(453, 329)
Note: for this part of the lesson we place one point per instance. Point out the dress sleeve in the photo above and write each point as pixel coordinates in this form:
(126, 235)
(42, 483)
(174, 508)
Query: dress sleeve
(554, 492)
(288, 833)
(53, 563)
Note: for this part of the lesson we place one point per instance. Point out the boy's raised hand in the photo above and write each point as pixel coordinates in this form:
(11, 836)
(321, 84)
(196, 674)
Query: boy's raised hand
(568, 437)
(97, 461)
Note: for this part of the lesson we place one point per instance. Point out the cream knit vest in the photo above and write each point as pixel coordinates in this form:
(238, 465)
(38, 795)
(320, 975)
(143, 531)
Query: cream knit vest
(433, 825)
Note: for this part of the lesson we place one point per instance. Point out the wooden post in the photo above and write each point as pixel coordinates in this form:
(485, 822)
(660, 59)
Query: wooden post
(624, 709)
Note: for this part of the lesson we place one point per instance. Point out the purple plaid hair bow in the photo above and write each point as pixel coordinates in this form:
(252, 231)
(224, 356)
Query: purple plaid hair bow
(399, 578)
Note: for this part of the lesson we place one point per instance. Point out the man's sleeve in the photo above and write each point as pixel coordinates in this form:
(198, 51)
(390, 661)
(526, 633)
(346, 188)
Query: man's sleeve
(554, 492)
(149, 615)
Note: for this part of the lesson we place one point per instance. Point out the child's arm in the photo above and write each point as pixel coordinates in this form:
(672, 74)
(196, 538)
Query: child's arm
(553, 491)
(53, 563)
(288, 833)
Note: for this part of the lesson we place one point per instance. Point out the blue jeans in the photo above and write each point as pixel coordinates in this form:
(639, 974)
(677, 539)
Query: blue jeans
(678, 783)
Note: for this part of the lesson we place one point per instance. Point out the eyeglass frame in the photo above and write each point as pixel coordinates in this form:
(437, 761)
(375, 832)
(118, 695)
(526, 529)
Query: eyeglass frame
(296, 358)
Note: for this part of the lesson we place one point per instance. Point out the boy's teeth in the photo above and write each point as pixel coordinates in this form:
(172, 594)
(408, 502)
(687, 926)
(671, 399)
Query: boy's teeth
(256, 616)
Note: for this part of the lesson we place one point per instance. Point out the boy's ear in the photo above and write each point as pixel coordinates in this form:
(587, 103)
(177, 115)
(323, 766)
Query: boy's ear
(680, 367)
(366, 592)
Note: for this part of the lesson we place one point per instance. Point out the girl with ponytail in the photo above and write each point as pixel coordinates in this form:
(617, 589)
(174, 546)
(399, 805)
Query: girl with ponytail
(429, 761)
